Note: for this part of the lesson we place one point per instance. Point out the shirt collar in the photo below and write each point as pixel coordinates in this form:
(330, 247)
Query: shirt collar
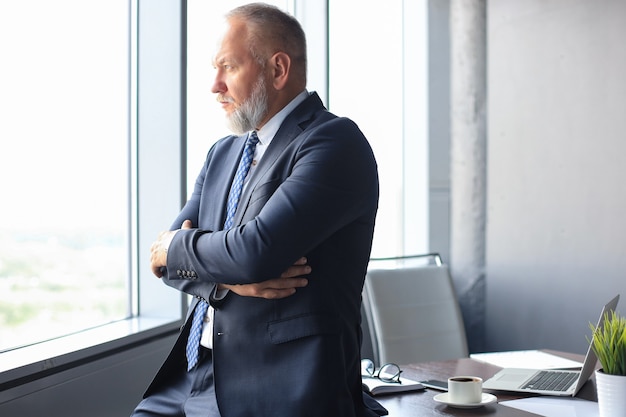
(268, 131)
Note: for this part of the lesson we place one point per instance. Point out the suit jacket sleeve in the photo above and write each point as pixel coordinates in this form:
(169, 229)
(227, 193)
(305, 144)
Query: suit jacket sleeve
(324, 179)
(191, 212)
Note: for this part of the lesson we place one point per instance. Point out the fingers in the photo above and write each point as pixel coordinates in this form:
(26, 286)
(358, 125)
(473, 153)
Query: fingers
(276, 293)
(157, 271)
(301, 261)
(296, 271)
(272, 289)
(155, 259)
(158, 250)
(281, 283)
(281, 288)
(158, 253)
(299, 268)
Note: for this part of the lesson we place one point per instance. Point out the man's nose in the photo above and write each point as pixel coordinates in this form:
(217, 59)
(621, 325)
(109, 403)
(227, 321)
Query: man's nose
(218, 87)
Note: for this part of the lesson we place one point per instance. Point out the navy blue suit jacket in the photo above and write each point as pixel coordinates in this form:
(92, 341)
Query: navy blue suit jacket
(314, 194)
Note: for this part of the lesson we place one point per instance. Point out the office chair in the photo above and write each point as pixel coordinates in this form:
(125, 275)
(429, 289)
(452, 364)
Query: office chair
(410, 311)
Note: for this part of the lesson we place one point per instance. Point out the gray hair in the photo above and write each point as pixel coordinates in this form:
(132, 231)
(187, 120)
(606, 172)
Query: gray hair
(271, 31)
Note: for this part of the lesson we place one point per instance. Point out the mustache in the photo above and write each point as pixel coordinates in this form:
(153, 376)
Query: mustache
(224, 99)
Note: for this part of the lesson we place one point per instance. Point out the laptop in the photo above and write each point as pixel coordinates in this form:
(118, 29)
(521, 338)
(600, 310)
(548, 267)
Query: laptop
(556, 382)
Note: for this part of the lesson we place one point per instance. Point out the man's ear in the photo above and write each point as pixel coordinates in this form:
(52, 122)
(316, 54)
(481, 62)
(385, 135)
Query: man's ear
(281, 66)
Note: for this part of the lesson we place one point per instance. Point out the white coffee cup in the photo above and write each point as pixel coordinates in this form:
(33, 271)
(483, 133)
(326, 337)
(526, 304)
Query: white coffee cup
(465, 389)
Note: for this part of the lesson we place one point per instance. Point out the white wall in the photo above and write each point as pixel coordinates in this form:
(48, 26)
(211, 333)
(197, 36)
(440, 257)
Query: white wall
(556, 198)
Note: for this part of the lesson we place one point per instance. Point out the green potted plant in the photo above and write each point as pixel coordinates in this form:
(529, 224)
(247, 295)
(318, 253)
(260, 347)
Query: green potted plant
(609, 344)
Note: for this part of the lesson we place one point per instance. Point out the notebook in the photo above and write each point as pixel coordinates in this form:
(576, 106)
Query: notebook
(378, 387)
(549, 381)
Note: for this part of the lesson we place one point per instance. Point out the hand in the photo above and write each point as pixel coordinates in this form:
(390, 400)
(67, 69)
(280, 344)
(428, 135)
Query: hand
(158, 250)
(276, 288)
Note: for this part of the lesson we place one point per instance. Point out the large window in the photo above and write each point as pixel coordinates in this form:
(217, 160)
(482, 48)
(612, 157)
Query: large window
(91, 164)
(64, 176)
(377, 77)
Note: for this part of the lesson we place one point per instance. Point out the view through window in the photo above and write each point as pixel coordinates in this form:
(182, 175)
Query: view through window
(377, 78)
(63, 167)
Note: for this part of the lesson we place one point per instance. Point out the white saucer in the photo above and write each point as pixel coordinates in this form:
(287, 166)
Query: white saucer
(487, 399)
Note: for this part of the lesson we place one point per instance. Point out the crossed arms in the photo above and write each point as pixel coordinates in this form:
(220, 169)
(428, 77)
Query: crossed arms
(276, 288)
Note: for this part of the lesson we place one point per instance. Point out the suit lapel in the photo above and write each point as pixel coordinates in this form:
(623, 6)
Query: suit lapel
(292, 127)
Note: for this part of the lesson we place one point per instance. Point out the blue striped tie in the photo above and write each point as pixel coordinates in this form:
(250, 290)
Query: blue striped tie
(193, 341)
(240, 176)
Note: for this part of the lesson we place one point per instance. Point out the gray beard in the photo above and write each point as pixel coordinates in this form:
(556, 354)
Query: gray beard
(249, 115)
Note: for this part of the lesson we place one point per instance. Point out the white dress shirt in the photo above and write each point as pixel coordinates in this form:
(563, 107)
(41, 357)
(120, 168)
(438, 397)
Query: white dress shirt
(265, 134)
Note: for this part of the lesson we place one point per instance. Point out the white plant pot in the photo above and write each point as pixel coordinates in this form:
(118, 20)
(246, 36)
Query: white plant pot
(611, 394)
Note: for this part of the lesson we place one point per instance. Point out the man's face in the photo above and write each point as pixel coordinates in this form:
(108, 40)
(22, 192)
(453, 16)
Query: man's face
(239, 82)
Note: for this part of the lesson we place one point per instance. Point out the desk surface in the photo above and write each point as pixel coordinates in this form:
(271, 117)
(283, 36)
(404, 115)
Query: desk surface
(421, 403)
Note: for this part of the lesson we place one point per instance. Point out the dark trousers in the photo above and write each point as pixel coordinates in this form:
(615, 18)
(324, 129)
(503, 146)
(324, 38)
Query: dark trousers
(190, 394)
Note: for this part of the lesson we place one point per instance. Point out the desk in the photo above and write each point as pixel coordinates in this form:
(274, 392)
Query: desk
(421, 403)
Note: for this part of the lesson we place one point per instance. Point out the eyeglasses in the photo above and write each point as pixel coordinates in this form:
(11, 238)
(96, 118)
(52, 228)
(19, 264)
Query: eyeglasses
(389, 372)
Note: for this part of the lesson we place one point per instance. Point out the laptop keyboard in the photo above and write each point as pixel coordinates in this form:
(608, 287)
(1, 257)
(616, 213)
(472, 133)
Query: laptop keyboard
(551, 381)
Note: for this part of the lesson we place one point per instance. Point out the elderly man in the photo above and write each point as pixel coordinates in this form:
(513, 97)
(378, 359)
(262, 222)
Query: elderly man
(273, 243)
